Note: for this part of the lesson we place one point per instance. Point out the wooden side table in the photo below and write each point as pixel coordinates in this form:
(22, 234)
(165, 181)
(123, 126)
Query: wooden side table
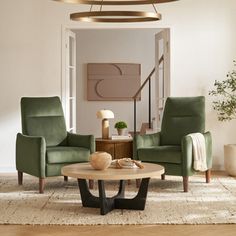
(117, 148)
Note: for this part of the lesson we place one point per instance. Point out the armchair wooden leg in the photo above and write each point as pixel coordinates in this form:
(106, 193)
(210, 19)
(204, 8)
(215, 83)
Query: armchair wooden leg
(163, 176)
(65, 178)
(91, 184)
(185, 183)
(41, 185)
(138, 182)
(208, 176)
(20, 177)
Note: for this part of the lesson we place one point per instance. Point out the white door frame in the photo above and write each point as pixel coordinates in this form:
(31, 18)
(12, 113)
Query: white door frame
(162, 82)
(68, 82)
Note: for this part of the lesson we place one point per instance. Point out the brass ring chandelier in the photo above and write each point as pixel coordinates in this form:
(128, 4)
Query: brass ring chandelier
(122, 16)
(115, 2)
(115, 16)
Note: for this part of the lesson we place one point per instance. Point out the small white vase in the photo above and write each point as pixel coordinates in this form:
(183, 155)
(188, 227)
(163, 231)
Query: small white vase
(100, 160)
(230, 159)
(121, 131)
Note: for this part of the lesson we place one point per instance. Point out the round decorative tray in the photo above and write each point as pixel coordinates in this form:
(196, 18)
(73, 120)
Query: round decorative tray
(126, 163)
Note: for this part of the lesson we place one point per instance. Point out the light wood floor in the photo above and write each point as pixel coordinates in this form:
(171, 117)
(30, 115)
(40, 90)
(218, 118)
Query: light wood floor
(140, 230)
(147, 230)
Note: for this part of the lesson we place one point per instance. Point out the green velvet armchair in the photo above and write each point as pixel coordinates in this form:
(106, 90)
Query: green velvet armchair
(171, 147)
(45, 146)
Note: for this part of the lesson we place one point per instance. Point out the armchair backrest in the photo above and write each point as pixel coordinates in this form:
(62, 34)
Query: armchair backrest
(182, 115)
(43, 116)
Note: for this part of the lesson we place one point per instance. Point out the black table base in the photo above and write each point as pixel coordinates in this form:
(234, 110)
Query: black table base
(107, 204)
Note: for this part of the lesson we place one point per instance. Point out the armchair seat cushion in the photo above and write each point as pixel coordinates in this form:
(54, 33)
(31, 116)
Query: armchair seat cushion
(160, 154)
(62, 154)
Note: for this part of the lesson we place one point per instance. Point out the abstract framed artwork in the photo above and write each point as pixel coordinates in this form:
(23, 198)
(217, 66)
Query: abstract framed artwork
(113, 81)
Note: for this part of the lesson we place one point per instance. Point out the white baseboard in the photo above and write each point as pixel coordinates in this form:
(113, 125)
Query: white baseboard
(6, 169)
(13, 169)
(218, 167)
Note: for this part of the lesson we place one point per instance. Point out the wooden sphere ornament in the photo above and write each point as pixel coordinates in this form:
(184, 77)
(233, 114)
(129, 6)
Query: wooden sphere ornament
(100, 160)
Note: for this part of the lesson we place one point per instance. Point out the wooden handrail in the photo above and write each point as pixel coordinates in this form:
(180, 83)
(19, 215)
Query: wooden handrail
(144, 83)
(149, 76)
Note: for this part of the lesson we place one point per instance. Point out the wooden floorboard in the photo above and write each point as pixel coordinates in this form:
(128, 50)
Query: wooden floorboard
(141, 230)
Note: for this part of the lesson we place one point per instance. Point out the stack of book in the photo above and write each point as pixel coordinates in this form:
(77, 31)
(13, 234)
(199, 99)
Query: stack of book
(120, 137)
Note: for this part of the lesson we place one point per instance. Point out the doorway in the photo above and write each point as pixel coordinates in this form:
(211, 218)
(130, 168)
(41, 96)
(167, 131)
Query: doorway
(143, 46)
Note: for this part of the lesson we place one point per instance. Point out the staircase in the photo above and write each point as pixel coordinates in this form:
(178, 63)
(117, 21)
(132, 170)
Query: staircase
(151, 125)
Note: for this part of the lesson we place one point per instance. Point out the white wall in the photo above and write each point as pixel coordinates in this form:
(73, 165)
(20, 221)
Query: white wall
(20, 68)
(203, 46)
(113, 46)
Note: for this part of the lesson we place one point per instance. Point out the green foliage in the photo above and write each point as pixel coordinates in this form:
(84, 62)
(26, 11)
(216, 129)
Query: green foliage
(120, 125)
(225, 91)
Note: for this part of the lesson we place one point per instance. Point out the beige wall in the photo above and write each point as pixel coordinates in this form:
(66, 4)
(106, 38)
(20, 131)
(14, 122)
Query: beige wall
(203, 46)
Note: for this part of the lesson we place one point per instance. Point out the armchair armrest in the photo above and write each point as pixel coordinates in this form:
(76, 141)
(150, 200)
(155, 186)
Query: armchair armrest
(148, 140)
(187, 153)
(30, 155)
(208, 140)
(77, 140)
(187, 156)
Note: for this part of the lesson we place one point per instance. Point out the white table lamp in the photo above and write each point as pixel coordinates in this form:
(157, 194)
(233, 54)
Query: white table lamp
(105, 115)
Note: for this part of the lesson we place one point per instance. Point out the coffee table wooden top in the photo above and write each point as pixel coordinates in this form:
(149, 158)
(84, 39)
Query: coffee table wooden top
(85, 171)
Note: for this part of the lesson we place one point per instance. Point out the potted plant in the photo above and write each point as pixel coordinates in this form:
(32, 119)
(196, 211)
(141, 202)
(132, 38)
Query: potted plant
(225, 105)
(120, 126)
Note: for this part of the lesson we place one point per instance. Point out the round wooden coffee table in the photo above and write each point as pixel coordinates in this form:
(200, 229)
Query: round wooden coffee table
(84, 171)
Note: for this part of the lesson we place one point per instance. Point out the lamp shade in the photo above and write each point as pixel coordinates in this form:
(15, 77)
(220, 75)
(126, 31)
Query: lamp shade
(105, 114)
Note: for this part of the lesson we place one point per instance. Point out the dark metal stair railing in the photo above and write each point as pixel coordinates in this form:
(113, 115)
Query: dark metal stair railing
(148, 79)
(149, 100)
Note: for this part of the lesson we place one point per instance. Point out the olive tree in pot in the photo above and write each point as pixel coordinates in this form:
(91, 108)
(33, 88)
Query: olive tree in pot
(120, 126)
(225, 105)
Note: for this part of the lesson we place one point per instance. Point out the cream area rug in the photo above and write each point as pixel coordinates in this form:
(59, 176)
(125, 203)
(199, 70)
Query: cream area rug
(213, 203)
